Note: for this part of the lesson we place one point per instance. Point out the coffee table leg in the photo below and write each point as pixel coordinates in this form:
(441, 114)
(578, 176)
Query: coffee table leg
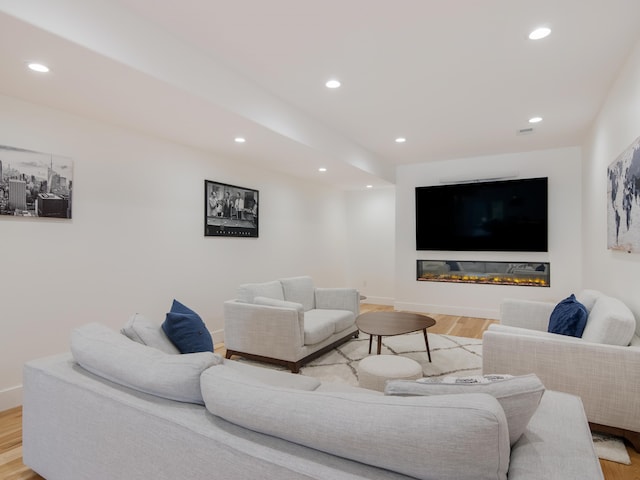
(379, 343)
(426, 341)
(370, 340)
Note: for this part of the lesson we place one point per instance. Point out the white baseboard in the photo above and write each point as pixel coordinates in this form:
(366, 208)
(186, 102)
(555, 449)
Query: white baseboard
(448, 310)
(218, 336)
(10, 398)
(378, 300)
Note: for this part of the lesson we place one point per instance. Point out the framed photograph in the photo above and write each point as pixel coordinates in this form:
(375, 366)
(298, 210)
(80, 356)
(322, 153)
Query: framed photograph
(623, 207)
(229, 210)
(35, 184)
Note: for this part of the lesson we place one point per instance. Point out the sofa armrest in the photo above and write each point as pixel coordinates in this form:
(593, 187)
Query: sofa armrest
(276, 332)
(604, 376)
(526, 313)
(496, 327)
(338, 299)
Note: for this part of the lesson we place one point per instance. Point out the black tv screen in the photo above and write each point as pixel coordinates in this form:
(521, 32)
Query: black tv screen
(508, 216)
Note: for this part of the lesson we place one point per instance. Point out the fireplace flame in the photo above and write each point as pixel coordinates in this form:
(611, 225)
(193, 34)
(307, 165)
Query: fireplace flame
(485, 279)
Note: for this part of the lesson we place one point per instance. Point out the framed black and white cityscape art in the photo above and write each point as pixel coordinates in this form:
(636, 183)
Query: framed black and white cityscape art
(229, 210)
(623, 200)
(35, 184)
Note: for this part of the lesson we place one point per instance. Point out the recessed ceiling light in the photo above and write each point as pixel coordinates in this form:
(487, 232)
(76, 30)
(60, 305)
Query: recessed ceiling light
(322, 169)
(38, 67)
(535, 119)
(401, 140)
(369, 186)
(239, 140)
(333, 83)
(539, 33)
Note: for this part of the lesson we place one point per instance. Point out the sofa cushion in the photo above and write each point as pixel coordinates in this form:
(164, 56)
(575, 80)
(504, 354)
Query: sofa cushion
(318, 326)
(569, 317)
(299, 290)
(339, 319)
(186, 330)
(248, 291)
(342, 320)
(557, 444)
(142, 330)
(421, 437)
(610, 322)
(113, 356)
(518, 396)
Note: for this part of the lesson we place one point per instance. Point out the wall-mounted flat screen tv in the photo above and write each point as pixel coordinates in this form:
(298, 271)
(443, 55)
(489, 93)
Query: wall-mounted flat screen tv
(509, 216)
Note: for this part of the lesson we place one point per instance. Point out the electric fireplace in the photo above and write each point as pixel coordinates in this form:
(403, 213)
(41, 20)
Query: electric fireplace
(527, 274)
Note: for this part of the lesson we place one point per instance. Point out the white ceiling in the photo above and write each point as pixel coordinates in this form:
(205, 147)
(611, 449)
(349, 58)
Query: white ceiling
(457, 78)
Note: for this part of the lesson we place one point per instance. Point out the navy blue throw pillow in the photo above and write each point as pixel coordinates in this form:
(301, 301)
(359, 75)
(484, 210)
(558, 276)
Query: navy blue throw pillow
(186, 330)
(568, 318)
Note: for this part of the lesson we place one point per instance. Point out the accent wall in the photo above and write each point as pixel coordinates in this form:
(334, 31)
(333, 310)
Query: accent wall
(563, 169)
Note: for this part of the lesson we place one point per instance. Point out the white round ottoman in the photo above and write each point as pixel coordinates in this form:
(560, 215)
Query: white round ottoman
(375, 370)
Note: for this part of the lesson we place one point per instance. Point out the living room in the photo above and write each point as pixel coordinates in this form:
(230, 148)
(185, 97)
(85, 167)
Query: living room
(135, 241)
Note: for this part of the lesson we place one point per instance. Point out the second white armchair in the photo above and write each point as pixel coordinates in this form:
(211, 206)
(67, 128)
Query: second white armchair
(289, 321)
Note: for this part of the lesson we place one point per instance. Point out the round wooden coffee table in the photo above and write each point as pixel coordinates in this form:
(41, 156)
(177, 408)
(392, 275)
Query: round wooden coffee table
(393, 323)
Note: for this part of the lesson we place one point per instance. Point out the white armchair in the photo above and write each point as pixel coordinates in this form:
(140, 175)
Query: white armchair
(289, 321)
(602, 367)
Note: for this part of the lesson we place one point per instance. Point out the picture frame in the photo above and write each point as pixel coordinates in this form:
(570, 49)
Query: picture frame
(230, 210)
(623, 208)
(35, 184)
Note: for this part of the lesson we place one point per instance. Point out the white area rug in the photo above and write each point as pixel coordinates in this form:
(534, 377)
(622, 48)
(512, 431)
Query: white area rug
(450, 356)
(611, 448)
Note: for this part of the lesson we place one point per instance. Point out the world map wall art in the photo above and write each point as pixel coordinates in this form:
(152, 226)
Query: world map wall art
(623, 201)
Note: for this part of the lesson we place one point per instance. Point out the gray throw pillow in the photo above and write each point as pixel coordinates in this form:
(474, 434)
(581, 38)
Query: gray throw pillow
(272, 302)
(519, 396)
(588, 298)
(611, 322)
(248, 291)
(142, 330)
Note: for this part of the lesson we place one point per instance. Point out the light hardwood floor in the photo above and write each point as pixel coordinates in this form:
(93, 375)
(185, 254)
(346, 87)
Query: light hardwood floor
(12, 468)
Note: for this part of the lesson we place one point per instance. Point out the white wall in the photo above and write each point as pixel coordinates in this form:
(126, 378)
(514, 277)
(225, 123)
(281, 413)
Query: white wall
(136, 238)
(136, 241)
(371, 236)
(561, 166)
(615, 128)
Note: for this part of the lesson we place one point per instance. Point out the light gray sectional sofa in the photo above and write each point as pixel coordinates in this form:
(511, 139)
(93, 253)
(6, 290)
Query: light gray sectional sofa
(289, 321)
(97, 413)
